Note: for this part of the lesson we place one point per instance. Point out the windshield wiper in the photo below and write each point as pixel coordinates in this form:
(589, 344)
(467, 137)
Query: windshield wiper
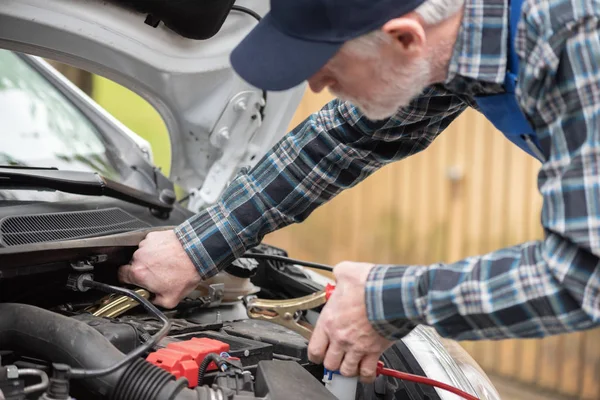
(84, 183)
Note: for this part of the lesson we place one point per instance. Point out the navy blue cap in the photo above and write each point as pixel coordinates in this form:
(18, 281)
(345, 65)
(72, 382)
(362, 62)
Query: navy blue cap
(297, 37)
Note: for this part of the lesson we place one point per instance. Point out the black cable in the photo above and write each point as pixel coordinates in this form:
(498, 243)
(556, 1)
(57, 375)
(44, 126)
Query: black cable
(258, 18)
(247, 11)
(79, 373)
(204, 365)
(288, 260)
(183, 199)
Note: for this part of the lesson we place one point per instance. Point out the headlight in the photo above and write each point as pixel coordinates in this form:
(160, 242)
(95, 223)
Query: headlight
(446, 361)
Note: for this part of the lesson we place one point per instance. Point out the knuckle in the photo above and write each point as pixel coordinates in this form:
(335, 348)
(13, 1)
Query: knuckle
(327, 323)
(314, 355)
(139, 253)
(330, 365)
(343, 338)
(367, 377)
(348, 370)
(138, 273)
(367, 372)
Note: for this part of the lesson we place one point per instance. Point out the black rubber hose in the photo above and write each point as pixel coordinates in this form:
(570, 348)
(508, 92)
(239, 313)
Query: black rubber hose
(143, 380)
(36, 332)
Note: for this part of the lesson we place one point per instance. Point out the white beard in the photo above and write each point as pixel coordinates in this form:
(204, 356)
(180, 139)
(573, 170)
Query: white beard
(393, 87)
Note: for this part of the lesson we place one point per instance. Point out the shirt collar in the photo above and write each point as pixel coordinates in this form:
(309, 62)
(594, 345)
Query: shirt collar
(480, 51)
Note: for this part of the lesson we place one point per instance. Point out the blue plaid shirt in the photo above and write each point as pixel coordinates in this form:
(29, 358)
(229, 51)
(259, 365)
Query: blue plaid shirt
(534, 289)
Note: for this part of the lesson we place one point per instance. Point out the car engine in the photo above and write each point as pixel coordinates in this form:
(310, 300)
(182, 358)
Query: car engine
(71, 331)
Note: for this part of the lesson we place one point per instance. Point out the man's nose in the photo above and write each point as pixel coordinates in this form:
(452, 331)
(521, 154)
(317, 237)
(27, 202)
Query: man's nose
(319, 82)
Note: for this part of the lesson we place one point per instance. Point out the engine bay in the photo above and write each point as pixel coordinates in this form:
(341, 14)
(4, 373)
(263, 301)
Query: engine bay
(56, 320)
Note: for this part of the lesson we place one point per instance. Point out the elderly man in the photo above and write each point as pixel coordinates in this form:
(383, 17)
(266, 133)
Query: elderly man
(403, 71)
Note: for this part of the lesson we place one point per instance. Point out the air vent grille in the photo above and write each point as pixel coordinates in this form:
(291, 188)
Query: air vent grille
(39, 228)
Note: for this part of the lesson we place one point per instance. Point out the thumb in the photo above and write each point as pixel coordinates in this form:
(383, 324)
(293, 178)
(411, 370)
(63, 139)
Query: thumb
(124, 273)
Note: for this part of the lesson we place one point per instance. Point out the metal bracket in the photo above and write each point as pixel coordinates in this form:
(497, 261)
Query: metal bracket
(232, 134)
(216, 292)
(88, 264)
(82, 266)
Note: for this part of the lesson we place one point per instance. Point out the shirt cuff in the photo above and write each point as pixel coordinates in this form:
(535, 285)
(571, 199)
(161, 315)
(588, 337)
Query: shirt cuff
(210, 241)
(392, 299)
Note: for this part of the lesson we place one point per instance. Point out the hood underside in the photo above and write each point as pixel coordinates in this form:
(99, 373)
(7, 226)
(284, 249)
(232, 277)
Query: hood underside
(217, 122)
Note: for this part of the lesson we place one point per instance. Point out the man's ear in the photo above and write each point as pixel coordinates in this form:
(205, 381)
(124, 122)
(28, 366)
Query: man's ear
(408, 32)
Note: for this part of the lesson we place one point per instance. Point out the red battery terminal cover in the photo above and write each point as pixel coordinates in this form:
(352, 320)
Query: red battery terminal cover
(183, 359)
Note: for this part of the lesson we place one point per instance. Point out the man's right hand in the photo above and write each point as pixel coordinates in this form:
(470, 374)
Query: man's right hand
(161, 266)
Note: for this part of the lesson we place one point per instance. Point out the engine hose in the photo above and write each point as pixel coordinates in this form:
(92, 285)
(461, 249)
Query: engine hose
(143, 380)
(36, 332)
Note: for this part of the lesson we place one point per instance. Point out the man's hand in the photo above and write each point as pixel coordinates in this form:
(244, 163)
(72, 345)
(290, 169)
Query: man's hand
(343, 338)
(161, 266)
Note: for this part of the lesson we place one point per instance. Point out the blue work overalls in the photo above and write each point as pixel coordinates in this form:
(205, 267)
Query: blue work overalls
(502, 110)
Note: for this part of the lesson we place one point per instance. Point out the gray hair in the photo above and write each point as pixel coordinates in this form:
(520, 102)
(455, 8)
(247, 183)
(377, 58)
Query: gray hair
(435, 11)
(432, 11)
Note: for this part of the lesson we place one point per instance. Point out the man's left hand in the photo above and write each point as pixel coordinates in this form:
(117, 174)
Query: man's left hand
(343, 339)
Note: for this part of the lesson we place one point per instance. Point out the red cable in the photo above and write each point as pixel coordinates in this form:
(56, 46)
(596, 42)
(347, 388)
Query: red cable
(421, 379)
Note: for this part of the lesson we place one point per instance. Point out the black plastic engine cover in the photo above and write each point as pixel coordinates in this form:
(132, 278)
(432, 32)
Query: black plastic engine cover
(288, 380)
(285, 342)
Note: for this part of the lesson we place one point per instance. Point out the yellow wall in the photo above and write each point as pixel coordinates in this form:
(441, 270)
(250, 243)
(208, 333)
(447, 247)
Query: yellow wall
(469, 193)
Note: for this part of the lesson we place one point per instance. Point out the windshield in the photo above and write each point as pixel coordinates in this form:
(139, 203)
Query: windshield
(39, 127)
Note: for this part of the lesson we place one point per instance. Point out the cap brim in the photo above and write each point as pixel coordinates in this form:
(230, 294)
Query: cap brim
(271, 60)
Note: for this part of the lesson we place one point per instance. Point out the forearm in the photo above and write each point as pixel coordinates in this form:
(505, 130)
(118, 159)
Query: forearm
(332, 150)
(306, 168)
(529, 290)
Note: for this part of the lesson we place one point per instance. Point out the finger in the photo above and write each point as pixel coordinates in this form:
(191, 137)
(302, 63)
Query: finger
(165, 301)
(124, 272)
(136, 254)
(334, 356)
(318, 345)
(350, 364)
(368, 368)
(136, 274)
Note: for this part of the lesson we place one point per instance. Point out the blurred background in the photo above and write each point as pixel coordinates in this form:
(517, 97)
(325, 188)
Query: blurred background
(469, 193)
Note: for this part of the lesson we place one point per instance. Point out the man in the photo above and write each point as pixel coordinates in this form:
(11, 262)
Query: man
(405, 69)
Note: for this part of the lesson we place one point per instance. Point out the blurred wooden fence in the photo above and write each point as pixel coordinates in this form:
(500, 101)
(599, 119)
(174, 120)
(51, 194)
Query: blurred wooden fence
(469, 193)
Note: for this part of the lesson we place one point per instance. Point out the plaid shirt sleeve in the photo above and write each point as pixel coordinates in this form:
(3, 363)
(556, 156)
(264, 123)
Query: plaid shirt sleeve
(544, 287)
(330, 151)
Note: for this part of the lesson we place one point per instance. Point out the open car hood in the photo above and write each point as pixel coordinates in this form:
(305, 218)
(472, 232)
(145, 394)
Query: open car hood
(180, 65)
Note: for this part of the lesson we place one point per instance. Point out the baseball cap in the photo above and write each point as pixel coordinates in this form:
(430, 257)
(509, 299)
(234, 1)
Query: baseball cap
(297, 37)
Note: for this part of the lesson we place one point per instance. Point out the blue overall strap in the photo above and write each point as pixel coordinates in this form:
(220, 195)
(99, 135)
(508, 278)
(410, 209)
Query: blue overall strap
(503, 110)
